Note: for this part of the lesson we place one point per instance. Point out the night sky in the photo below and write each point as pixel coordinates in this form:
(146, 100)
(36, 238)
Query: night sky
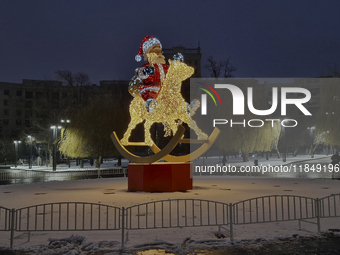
(273, 38)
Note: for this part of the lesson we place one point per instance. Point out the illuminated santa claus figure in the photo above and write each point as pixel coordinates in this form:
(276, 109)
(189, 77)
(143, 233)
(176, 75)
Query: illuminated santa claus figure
(148, 79)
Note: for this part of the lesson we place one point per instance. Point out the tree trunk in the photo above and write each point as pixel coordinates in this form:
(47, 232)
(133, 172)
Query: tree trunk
(224, 158)
(98, 161)
(295, 152)
(278, 153)
(119, 160)
(267, 155)
(81, 163)
(50, 162)
(245, 156)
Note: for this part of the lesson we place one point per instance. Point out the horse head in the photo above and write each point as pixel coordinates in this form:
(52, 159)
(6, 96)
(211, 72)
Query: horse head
(178, 71)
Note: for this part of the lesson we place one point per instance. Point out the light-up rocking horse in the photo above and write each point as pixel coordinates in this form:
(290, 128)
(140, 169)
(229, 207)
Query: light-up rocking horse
(171, 110)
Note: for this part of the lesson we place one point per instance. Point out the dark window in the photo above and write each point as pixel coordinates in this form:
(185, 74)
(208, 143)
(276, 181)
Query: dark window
(19, 93)
(28, 114)
(6, 111)
(27, 123)
(6, 122)
(29, 94)
(28, 104)
(39, 95)
(18, 122)
(6, 92)
(6, 102)
(18, 112)
(64, 95)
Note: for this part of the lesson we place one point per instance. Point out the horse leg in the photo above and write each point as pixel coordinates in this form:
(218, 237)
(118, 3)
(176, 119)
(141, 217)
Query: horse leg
(192, 124)
(167, 129)
(132, 125)
(136, 108)
(147, 135)
(173, 126)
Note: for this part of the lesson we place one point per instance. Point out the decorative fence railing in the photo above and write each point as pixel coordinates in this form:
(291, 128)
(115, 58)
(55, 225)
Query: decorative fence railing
(274, 208)
(5, 219)
(177, 213)
(78, 216)
(46, 175)
(68, 217)
(330, 206)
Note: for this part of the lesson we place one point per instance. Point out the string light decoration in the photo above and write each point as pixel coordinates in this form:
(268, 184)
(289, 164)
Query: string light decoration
(170, 108)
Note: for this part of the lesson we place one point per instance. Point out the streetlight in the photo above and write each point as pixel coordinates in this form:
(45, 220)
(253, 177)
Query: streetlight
(284, 156)
(67, 121)
(54, 152)
(30, 159)
(16, 152)
(311, 129)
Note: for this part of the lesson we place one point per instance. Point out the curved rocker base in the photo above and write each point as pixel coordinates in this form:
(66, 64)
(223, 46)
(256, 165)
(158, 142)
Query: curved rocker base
(149, 159)
(193, 155)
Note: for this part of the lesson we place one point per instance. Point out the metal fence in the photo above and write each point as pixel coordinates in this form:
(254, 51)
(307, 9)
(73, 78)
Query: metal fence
(330, 206)
(68, 217)
(177, 213)
(273, 209)
(79, 216)
(5, 219)
(46, 175)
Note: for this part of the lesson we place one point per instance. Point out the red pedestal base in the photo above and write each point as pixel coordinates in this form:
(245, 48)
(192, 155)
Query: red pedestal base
(160, 177)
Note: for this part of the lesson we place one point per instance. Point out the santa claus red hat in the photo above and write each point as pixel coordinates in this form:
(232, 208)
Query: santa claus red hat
(147, 43)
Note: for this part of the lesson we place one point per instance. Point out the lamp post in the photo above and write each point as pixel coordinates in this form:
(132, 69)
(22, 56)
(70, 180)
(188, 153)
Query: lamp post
(330, 115)
(66, 121)
(16, 152)
(311, 129)
(30, 159)
(284, 157)
(54, 148)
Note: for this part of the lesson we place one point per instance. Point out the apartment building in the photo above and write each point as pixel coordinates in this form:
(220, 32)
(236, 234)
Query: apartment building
(22, 103)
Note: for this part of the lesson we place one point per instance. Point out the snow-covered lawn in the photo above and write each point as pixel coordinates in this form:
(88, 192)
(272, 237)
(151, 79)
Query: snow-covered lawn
(113, 191)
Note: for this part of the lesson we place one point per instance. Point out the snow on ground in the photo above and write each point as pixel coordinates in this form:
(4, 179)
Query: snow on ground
(113, 191)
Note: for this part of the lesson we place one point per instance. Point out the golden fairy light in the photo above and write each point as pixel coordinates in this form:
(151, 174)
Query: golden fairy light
(169, 109)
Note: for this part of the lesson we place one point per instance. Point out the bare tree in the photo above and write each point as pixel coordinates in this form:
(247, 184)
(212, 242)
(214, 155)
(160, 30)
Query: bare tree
(78, 87)
(229, 69)
(215, 68)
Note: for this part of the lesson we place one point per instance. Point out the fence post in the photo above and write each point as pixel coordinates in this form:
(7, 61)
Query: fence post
(12, 227)
(231, 222)
(123, 225)
(318, 212)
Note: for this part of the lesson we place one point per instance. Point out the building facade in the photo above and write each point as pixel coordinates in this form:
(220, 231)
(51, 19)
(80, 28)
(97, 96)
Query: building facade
(23, 102)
